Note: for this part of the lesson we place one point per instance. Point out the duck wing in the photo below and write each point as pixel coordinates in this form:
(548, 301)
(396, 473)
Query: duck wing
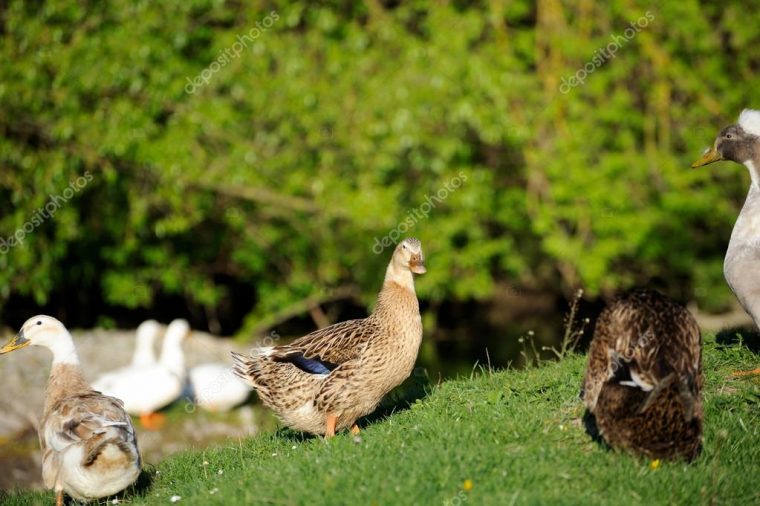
(90, 420)
(323, 350)
(646, 341)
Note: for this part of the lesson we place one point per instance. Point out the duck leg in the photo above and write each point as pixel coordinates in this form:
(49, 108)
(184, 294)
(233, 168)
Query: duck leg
(355, 430)
(332, 420)
(59, 498)
(753, 372)
(152, 421)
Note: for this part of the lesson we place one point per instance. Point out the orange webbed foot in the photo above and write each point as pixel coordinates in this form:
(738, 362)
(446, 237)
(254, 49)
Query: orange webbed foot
(753, 372)
(152, 421)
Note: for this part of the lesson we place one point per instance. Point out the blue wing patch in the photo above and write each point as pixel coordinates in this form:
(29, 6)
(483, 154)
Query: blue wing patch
(311, 365)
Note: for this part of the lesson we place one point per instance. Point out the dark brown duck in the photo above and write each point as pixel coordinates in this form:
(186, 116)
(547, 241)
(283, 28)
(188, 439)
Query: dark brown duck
(644, 377)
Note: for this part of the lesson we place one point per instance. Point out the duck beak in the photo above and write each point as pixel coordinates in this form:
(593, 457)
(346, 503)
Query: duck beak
(710, 156)
(14, 344)
(417, 265)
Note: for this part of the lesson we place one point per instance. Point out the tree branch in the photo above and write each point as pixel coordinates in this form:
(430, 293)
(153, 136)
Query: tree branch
(302, 306)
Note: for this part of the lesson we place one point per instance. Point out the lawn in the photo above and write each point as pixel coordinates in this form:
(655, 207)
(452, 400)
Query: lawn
(501, 437)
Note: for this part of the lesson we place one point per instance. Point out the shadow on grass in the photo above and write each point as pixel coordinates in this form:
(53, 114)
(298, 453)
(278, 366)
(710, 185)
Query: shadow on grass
(144, 481)
(589, 424)
(400, 399)
(417, 387)
(747, 336)
(293, 436)
(141, 487)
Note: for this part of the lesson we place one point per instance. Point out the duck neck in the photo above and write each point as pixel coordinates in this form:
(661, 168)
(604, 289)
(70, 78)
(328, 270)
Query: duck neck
(65, 380)
(144, 354)
(400, 276)
(746, 230)
(143, 357)
(172, 357)
(63, 349)
(397, 293)
(753, 165)
(66, 376)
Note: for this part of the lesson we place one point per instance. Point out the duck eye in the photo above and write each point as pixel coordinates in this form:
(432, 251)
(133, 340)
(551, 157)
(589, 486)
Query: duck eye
(728, 136)
(39, 322)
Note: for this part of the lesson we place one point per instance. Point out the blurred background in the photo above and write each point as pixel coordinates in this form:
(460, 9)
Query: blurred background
(249, 165)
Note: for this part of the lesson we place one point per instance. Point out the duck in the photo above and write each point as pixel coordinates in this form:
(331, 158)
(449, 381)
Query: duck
(325, 381)
(643, 380)
(215, 388)
(89, 446)
(740, 143)
(144, 355)
(146, 390)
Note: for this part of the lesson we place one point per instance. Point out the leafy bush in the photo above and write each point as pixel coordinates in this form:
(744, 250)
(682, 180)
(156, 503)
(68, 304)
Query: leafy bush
(337, 122)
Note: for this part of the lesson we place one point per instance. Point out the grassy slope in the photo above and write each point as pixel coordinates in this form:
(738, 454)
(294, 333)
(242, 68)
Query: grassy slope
(516, 435)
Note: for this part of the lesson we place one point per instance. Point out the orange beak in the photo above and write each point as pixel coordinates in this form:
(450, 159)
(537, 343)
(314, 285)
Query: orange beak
(417, 265)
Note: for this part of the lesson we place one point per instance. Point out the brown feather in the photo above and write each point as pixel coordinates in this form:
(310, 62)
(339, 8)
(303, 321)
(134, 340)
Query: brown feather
(76, 415)
(367, 358)
(644, 377)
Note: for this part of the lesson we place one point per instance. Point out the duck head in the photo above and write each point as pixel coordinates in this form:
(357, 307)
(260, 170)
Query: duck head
(147, 333)
(408, 255)
(177, 331)
(172, 356)
(44, 331)
(738, 143)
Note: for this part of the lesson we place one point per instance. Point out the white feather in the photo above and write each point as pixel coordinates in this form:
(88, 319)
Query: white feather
(145, 390)
(216, 388)
(639, 381)
(749, 120)
(152, 387)
(85, 483)
(266, 351)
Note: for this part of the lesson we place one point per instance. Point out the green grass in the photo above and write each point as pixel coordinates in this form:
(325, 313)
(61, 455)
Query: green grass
(517, 435)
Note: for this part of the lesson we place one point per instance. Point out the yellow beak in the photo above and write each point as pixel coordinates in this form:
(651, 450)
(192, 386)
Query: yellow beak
(14, 344)
(710, 156)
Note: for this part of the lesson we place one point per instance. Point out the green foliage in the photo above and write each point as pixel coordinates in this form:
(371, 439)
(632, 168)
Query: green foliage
(516, 435)
(337, 120)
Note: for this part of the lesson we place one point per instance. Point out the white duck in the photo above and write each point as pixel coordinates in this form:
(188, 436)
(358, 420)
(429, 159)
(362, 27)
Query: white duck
(215, 388)
(144, 355)
(740, 143)
(147, 389)
(88, 441)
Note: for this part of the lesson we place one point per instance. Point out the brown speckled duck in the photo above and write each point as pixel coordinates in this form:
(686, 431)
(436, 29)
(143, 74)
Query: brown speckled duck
(326, 380)
(89, 449)
(644, 377)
